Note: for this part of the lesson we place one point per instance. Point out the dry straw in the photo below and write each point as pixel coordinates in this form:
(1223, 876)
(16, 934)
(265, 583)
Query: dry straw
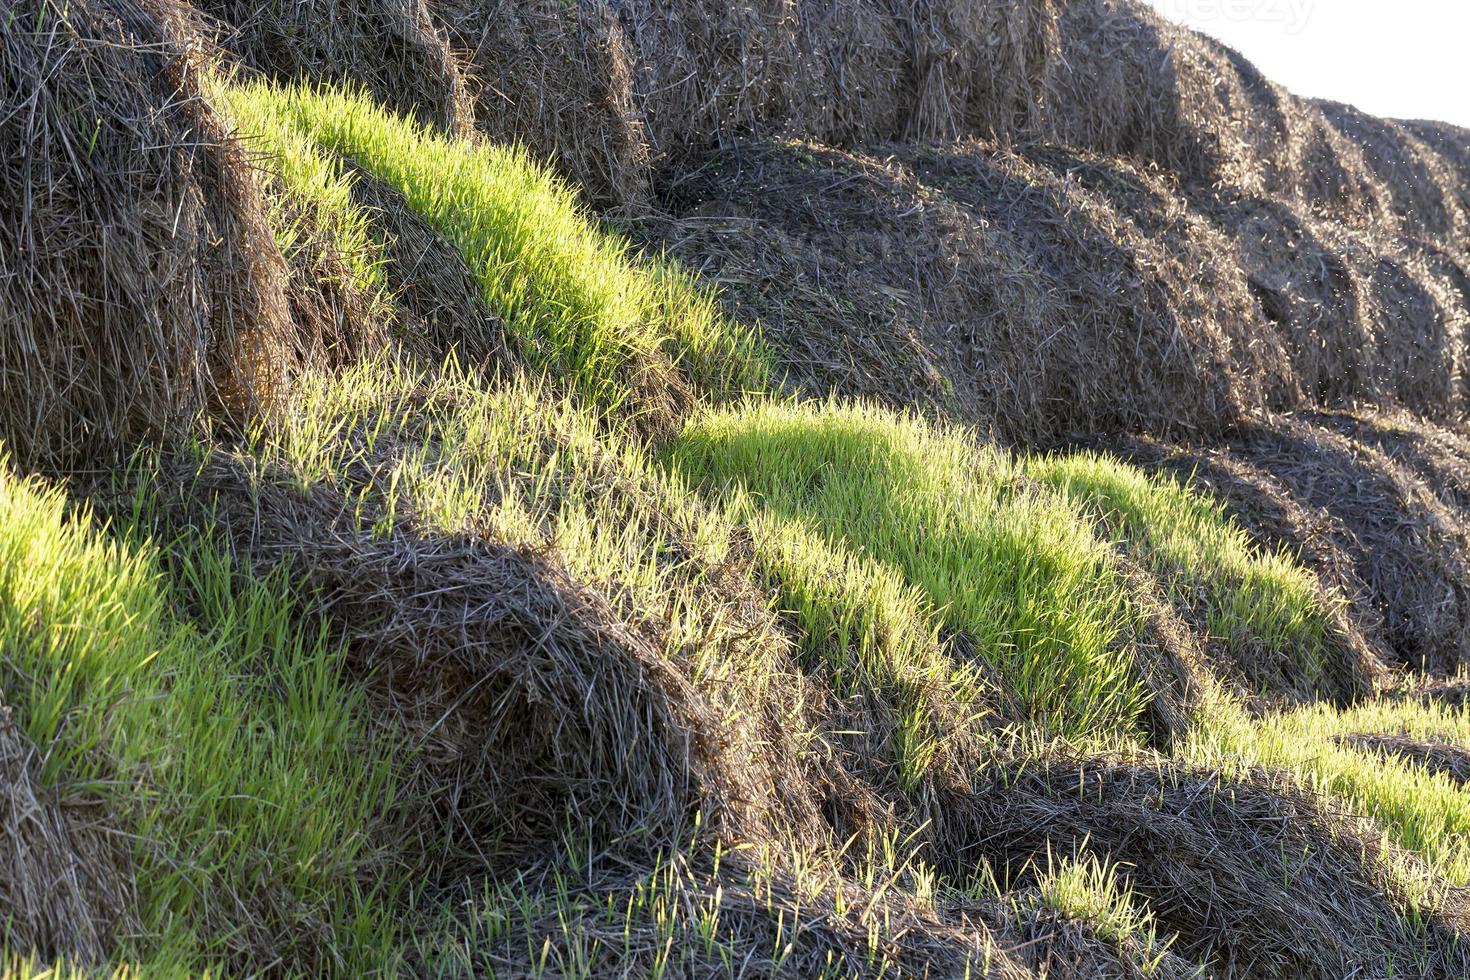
(65, 886)
(138, 282)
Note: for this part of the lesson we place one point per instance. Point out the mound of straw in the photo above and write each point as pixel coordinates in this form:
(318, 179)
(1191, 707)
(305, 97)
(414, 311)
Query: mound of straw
(138, 283)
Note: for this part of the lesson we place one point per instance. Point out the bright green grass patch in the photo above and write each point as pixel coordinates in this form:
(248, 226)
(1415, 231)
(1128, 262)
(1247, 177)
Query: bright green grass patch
(572, 294)
(313, 196)
(876, 633)
(1266, 609)
(1423, 812)
(1019, 570)
(228, 750)
(33, 969)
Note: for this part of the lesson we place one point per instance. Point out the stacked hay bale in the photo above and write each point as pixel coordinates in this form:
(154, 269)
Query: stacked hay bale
(139, 285)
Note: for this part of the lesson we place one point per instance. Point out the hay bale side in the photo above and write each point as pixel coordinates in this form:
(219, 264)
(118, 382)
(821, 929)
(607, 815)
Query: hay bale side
(557, 77)
(138, 282)
(1206, 854)
(392, 48)
(65, 880)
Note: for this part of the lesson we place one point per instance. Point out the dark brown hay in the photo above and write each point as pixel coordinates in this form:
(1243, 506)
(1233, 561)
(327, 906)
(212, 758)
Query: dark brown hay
(1407, 548)
(65, 884)
(1256, 877)
(138, 282)
(1169, 660)
(1452, 761)
(610, 89)
(392, 48)
(1036, 303)
(1422, 186)
(438, 305)
(1128, 82)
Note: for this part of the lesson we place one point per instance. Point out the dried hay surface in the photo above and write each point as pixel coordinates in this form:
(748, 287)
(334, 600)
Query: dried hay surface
(437, 303)
(1421, 184)
(1019, 296)
(138, 283)
(610, 89)
(65, 885)
(1207, 855)
(1453, 761)
(392, 48)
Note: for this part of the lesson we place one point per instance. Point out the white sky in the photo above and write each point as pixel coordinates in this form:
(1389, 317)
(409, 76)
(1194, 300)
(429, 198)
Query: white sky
(1402, 58)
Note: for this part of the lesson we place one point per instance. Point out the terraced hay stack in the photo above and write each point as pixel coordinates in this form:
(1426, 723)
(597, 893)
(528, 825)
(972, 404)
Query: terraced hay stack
(138, 284)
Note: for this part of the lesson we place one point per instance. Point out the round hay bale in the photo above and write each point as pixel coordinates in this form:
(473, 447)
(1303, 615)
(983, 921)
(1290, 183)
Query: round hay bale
(138, 282)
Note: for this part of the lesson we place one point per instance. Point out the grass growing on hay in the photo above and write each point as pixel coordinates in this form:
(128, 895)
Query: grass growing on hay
(227, 750)
(1018, 570)
(311, 180)
(570, 292)
(876, 632)
(914, 563)
(1424, 812)
(1252, 602)
(1090, 890)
